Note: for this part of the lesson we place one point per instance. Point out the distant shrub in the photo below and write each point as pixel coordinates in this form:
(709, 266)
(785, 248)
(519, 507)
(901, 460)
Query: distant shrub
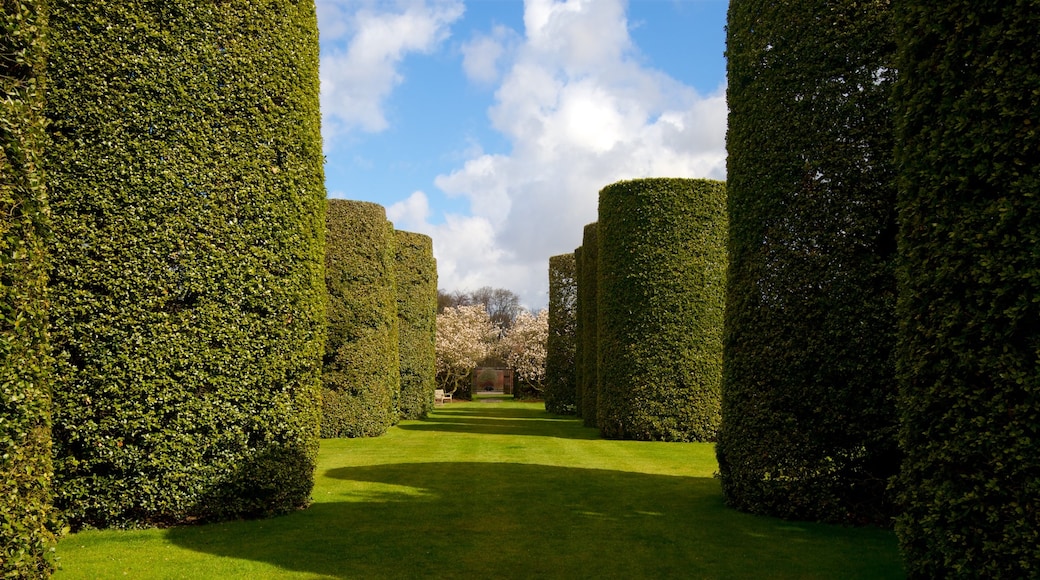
(588, 323)
(662, 271)
(559, 358)
(26, 526)
(188, 319)
(969, 285)
(808, 416)
(362, 374)
(416, 274)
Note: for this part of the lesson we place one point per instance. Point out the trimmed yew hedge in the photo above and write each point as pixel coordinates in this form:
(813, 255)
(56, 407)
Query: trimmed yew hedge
(559, 355)
(26, 518)
(416, 274)
(662, 269)
(188, 314)
(362, 368)
(588, 324)
(969, 285)
(808, 398)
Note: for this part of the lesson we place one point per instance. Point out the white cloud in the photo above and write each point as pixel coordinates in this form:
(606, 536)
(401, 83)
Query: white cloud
(366, 43)
(483, 55)
(581, 112)
(412, 214)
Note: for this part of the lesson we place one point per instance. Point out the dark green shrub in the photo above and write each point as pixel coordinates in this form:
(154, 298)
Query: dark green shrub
(662, 269)
(559, 355)
(969, 337)
(579, 352)
(362, 374)
(26, 523)
(588, 318)
(808, 417)
(416, 274)
(188, 314)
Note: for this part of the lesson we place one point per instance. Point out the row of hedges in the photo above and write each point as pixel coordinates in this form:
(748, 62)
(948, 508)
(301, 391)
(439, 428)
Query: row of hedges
(823, 282)
(662, 267)
(650, 280)
(969, 213)
(380, 359)
(416, 273)
(361, 367)
(187, 286)
(26, 519)
(560, 347)
(808, 398)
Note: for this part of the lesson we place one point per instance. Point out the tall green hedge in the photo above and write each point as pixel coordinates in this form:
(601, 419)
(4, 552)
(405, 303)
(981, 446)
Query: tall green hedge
(969, 278)
(26, 522)
(362, 368)
(559, 355)
(588, 319)
(662, 272)
(188, 311)
(416, 275)
(579, 352)
(808, 416)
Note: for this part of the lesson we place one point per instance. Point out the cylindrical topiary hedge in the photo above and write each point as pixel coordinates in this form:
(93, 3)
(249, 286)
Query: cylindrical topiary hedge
(361, 375)
(808, 416)
(559, 348)
(579, 352)
(26, 518)
(588, 317)
(416, 275)
(188, 287)
(969, 285)
(662, 271)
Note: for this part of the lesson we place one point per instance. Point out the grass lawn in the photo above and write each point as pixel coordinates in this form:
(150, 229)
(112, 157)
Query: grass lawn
(497, 489)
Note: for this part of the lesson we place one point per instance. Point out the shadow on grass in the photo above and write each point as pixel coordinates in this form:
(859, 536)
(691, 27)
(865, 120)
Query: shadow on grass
(506, 520)
(501, 421)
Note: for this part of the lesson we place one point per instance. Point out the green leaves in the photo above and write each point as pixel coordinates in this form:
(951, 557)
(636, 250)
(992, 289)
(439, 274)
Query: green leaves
(965, 107)
(661, 267)
(188, 286)
(361, 374)
(808, 388)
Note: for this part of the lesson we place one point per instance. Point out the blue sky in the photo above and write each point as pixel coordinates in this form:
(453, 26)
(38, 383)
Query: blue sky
(491, 125)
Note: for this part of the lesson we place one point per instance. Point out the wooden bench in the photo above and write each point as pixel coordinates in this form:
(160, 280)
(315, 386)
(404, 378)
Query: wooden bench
(440, 397)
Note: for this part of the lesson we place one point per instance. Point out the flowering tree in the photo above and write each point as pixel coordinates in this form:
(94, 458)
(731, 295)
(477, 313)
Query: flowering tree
(523, 347)
(465, 336)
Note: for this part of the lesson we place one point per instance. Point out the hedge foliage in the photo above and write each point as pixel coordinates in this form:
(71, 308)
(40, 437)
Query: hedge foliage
(662, 272)
(579, 352)
(416, 275)
(560, 347)
(188, 311)
(26, 519)
(969, 280)
(588, 325)
(361, 374)
(808, 399)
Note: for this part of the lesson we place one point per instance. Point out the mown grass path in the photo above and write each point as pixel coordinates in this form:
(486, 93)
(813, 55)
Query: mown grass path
(497, 490)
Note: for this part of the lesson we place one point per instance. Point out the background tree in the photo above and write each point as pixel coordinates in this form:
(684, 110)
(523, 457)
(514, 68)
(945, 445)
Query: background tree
(451, 299)
(524, 347)
(502, 305)
(465, 336)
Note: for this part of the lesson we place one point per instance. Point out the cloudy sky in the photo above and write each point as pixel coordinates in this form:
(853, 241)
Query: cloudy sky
(491, 125)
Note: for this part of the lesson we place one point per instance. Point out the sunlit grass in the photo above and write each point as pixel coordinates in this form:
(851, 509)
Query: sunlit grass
(497, 490)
